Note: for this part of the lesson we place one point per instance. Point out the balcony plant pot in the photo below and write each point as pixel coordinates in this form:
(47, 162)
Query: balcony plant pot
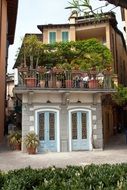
(81, 84)
(30, 82)
(68, 83)
(42, 83)
(93, 83)
(58, 84)
(50, 83)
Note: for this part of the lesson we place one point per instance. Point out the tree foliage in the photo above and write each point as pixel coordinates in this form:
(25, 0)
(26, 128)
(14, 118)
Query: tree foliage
(86, 54)
(120, 97)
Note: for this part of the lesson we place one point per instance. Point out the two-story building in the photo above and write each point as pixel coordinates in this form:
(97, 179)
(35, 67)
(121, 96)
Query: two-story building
(71, 118)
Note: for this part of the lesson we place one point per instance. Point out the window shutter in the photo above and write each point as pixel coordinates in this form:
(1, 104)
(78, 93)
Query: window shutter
(52, 37)
(64, 36)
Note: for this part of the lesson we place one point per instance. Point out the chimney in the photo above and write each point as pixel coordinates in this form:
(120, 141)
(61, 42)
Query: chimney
(73, 16)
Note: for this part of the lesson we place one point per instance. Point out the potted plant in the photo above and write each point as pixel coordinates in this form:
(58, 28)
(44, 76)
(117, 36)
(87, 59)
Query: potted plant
(32, 142)
(14, 139)
(42, 80)
(30, 54)
(68, 74)
(59, 78)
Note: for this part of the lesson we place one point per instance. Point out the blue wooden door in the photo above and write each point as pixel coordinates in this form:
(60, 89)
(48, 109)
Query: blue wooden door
(47, 131)
(80, 131)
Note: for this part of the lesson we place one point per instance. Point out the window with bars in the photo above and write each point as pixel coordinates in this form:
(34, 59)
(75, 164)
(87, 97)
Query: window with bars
(84, 129)
(74, 125)
(41, 126)
(51, 126)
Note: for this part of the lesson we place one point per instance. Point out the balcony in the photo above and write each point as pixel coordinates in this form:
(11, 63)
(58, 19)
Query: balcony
(65, 80)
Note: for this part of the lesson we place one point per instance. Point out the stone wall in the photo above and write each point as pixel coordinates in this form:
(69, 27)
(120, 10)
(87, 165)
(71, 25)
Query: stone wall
(63, 102)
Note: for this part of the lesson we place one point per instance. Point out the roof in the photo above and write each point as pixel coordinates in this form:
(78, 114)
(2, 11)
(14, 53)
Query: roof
(12, 7)
(121, 3)
(109, 16)
(88, 20)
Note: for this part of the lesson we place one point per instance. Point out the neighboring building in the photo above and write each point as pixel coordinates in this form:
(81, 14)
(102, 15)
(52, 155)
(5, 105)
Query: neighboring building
(8, 14)
(9, 85)
(9, 94)
(68, 119)
(124, 18)
(10, 103)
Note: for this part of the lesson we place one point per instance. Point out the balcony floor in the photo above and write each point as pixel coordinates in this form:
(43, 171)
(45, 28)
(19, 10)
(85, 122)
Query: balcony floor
(21, 90)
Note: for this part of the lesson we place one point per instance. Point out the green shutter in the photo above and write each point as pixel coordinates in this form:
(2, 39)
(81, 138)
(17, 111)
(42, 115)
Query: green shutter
(64, 36)
(52, 37)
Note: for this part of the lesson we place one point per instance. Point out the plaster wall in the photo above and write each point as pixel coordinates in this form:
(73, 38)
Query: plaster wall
(3, 38)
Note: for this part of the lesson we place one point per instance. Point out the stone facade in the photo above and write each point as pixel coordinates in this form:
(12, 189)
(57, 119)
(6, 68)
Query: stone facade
(63, 102)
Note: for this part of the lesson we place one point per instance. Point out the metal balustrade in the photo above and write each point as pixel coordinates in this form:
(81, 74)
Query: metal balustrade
(65, 79)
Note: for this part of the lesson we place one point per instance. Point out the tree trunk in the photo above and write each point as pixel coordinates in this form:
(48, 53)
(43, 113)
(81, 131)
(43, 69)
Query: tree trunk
(121, 3)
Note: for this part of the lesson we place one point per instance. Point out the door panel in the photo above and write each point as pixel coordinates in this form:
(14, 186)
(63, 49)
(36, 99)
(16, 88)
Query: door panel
(80, 131)
(47, 131)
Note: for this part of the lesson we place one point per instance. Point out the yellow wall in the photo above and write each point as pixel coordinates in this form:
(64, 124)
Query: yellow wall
(58, 34)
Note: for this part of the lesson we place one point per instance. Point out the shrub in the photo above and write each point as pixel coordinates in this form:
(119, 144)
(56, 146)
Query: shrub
(92, 177)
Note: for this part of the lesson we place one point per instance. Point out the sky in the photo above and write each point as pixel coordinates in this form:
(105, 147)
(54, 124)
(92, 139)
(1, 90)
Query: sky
(32, 13)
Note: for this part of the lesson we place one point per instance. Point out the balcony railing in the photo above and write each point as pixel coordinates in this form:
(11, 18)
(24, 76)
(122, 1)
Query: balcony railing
(65, 79)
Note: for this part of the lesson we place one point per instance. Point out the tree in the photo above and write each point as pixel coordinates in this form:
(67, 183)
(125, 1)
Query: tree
(120, 97)
(121, 3)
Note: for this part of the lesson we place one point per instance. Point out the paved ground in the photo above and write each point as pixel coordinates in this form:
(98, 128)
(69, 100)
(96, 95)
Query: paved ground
(114, 153)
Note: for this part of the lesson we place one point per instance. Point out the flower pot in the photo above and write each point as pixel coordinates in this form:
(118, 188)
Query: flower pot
(81, 84)
(68, 83)
(31, 150)
(17, 146)
(50, 84)
(42, 83)
(93, 83)
(58, 84)
(30, 82)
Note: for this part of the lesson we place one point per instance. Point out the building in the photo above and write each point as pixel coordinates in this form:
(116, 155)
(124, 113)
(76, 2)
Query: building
(8, 14)
(72, 118)
(124, 19)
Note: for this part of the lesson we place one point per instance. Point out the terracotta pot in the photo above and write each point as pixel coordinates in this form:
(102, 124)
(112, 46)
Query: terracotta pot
(93, 83)
(58, 84)
(81, 84)
(42, 83)
(30, 82)
(50, 84)
(17, 146)
(31, 150)
(68, 83)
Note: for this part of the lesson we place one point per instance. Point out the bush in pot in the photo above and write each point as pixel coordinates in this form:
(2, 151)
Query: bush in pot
(14, 139)
(32, 142)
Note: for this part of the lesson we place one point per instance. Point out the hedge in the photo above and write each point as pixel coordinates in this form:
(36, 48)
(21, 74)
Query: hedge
(91, 177)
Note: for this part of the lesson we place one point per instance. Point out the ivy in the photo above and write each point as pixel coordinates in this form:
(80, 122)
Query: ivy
(120, 97)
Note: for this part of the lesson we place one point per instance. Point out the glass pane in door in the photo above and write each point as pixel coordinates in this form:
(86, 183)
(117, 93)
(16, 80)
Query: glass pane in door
(51, 126)
(84, 126)
(74, 125)
(41, 126)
